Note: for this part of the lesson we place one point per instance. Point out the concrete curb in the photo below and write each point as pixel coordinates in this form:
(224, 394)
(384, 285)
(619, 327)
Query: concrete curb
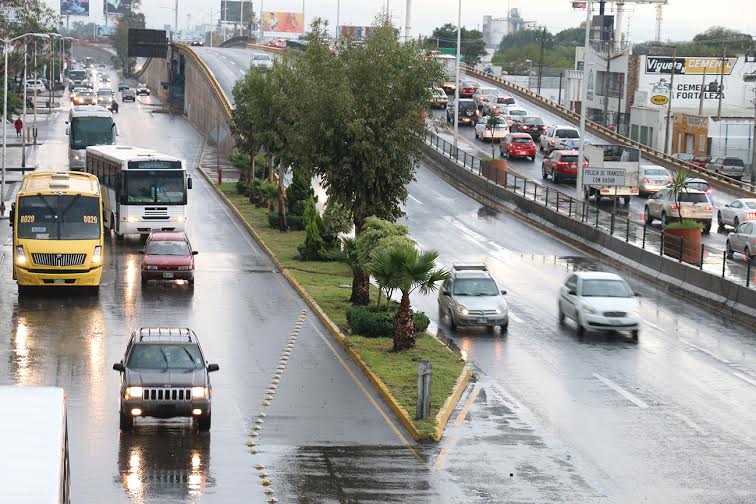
(442, 418)
(332, 328)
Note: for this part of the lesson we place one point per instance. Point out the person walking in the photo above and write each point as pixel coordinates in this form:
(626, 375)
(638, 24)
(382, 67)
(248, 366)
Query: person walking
(19, 124)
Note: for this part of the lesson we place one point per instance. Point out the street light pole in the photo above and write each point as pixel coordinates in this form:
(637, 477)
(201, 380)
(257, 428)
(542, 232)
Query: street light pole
(456, 87)
(338, 18)
(667, 147)
(23, 137)
(34, 124)
(583, 98)
(5, 124)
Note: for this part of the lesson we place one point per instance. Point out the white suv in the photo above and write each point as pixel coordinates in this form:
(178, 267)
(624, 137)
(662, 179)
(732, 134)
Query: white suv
(693, 205)
(559, 138)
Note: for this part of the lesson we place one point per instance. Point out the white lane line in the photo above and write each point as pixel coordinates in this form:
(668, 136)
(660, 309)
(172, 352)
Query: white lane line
(514, 317)
(690, 423)
(707, 352)
(624, 393)
(415, 199)
(743, 377)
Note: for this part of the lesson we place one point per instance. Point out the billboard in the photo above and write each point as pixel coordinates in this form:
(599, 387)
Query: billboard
(115, 7)
(283, 22)
(74, 7)
(147, 43)
(688, 65)
(230, 11)
(104, 31)
(354, 32)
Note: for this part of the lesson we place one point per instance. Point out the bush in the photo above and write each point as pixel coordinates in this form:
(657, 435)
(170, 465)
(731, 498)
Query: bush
(313, 248)
(295, 222)
(374, 321)
(299, 191)
(336, 219)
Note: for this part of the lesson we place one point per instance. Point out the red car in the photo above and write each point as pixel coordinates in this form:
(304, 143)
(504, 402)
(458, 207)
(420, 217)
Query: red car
(168, 256)
(561, 164)
(467, 89)
(518, 145)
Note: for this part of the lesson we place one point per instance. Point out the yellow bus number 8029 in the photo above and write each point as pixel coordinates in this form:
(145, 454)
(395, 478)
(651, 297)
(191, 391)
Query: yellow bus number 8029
(27, 219)
(90, 219)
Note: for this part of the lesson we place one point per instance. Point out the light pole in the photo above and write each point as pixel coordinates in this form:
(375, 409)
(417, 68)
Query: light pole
(530, 65)
(456, 87)
(6, 44)
(338, 17)
(583, 98)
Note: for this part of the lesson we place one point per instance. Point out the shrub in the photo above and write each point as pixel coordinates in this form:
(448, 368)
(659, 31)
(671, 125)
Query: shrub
(299, 191)
(378, 321)
(313, 248)
(294, 222)
(336, 219)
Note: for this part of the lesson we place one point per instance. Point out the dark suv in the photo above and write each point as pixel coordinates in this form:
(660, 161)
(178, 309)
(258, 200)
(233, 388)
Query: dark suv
(468, 112)
(165, 375)
(532, 125)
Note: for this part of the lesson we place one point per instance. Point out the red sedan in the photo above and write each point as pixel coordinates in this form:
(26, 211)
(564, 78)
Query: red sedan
(561, 164)
(168, 256)
(467, 89)
(518, 145)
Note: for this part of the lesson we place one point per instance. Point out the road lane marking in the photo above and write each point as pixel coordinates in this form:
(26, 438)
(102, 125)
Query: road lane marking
(414, 199)
(738, 374)
(624, 393)
(439, 463)
(707, 352)
(690, 423)
(466, 408)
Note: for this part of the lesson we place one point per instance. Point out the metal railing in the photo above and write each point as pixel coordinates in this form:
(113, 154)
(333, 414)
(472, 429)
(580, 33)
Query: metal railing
(695, 254)
(653, 155)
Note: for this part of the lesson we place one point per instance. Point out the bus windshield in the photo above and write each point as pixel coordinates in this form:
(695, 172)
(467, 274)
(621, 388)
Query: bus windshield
(59, 217)
(77, 75)
(153, 186)
(87, 131)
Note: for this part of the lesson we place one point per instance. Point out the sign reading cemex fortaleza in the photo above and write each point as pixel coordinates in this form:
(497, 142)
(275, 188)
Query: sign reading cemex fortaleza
(607, 177)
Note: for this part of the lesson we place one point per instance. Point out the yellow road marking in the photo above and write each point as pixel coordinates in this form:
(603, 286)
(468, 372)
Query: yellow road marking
(439, 463)
(466, 408)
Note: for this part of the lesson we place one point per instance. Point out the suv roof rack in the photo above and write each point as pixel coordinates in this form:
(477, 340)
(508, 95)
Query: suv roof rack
(166, 335)
(469, 267)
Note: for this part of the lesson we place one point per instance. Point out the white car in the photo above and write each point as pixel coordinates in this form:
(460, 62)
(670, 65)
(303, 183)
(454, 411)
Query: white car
(32, 84)
(738, 211)
(559, 137)
(509, 112)
(653, 178)
(484, 133)
(262, 61)
(742, 240)
(599, 301)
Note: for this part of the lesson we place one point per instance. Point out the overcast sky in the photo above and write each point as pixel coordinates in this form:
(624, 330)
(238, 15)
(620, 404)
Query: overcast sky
(682, 18)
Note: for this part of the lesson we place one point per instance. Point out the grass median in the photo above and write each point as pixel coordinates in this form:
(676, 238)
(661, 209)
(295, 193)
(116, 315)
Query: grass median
(327, 283)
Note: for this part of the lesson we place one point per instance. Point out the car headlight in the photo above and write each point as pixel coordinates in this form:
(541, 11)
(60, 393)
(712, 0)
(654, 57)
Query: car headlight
(199, 392)
(150, 267)
(636, 312)
(589, 309)
(97, 255)
(501, 309)
(20, 256)
(184, 268)
(462, 310)
(133, 392)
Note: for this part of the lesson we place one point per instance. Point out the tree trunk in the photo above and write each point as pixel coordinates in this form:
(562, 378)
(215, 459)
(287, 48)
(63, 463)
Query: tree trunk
(281, 198)
(404, 327)
(360, 279)
(254, 155)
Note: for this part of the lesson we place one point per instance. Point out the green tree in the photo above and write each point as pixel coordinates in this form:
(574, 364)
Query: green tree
(132, 18)
(313, 248)
(299, 191)
(361, 126)
(25, 16)
(472, 45)
(337, 219)
(708, 43)
(408, 270)
(492, 120)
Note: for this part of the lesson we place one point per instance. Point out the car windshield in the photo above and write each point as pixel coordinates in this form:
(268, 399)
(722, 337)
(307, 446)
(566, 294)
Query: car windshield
(605, 288)
(568, 133)
(475, 287)
(733, 162)
(507, 100)
(569, 159)
(168, 247)
(522, 140)
(155, 186)
(517, 112)
(86, 94)
(261, 57)
(536, 121)
(105, 92)
(660, 172)
(58, 217)
(86, 131)
(165, 357)
(687, 197)
(701, 186)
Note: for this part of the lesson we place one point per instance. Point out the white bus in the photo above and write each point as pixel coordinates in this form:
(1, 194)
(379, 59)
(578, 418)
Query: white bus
(88, 125)
(34, 466)
(143, 191)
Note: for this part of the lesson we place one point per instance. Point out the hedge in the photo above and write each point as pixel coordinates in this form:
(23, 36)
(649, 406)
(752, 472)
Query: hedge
(373, 321)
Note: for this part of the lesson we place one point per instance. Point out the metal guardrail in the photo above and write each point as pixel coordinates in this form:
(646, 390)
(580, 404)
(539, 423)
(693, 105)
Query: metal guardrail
(222, 98)
(727, 183)
(643, 236)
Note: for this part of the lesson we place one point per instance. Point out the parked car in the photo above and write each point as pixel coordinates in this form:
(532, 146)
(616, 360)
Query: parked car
(142, 89)
(164, 374)
(532, 125)
(168, 256)
(561, 165)
(653, 178)
(263, 61)
(495, 107)
(700, 161)
(559, 137)
(510, 112)
(482, 132)
(122, 86)
(471, 297)
(694, 205)
(467, 89)
(485, 94)
(683, 157)
(128, 95)
(468, 111)
(439, 98)
(518, 145)
(742, 240)
(599, 301)
(32, 85)
(728, 166)
(740, 210)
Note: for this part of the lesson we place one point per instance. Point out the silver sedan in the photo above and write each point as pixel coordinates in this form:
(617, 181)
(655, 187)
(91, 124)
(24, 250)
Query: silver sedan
(740, 210)
(742, 240)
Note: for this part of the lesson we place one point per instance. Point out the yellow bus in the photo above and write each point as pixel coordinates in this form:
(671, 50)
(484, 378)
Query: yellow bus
(57, 231)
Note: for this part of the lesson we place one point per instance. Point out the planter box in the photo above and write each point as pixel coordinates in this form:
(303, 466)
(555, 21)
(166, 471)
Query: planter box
(495, 170)
(685, 243)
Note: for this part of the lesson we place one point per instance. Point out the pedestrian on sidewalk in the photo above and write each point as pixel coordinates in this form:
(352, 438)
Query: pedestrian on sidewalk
(19, 124)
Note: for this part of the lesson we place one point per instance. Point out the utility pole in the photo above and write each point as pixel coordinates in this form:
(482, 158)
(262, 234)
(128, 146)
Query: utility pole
(542, 42)
(407, 19)
(667, 148)
(606, 80)
(721, 84)
(579, 192)
(703, 92)
(753, 143)
(456, 87)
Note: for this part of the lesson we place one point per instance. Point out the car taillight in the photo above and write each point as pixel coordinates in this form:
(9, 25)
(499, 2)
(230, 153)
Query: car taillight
(674, 207)
(751, 215)
(708, 191)
(553, 140)
(669, 181)
(524, 127)
(709, 208)
(561, 164)
(646, 181)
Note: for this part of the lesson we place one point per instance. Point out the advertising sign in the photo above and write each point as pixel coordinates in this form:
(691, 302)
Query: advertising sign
(115, 7)
(356, 32)
(659, 100)
(104, 31)
(283, 22)
(74, 7)
(688, 65)
(230, 11)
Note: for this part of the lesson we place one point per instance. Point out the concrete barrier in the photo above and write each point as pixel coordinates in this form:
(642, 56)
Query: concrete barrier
(709, 290)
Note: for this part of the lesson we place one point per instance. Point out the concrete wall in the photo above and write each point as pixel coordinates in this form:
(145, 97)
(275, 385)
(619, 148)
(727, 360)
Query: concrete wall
(155, 73)
(710, 290)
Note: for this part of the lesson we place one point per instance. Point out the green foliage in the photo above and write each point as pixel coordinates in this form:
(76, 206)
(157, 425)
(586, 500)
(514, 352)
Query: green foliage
(707, 43)
(677, 186)
(299, 191)
(684, 224)
(472, 45)
(295, 222)
(559, 49)
(337, 219)
(131, 19)
(375, 230)
(378, 321)
(14, 103)
(262, 193)
(313, 248)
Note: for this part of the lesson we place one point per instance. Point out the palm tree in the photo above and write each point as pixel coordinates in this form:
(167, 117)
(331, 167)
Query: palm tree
(411, 271)
(677, 186)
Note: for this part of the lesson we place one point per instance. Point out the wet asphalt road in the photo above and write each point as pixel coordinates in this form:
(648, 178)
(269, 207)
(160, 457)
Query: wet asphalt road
(325, 438)
(671, 419)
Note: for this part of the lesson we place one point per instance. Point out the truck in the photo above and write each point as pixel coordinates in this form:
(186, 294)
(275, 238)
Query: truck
(449, 65)
(611, 172)
(76, 78)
